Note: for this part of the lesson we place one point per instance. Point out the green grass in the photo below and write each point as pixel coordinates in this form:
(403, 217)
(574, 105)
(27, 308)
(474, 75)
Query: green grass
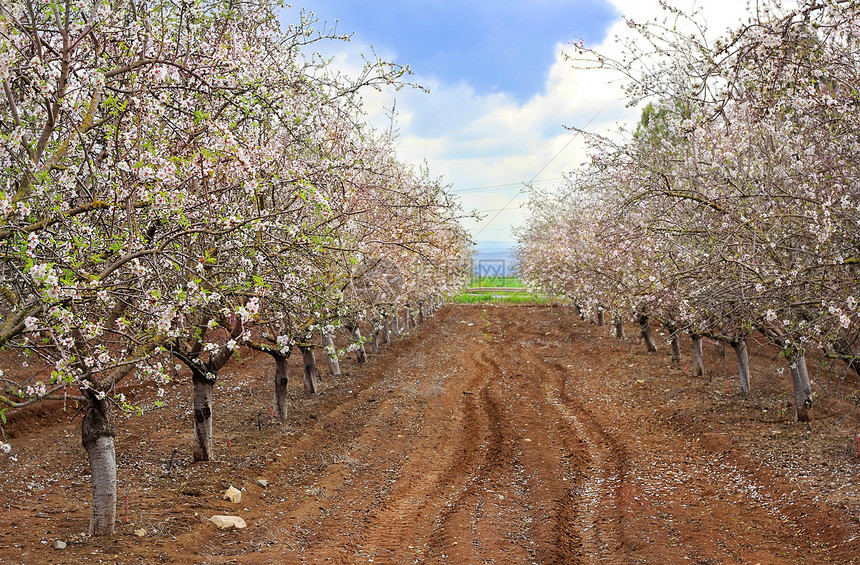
(500, 296)
(512, 298)
(496, 282)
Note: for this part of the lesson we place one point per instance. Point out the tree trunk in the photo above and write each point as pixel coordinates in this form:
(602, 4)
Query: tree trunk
(331, 354)
(386, 334)
(740, 348)
(421, 312)
(374, 341)
(360, 353)
(619, 328)
(676, 347)
(601, 317)
(698, 363)
(396, 320)
(406, 319)
(97, 437)
(202, 416)
(312, 377)
(647, 335)
(282, 379)
(802, 389)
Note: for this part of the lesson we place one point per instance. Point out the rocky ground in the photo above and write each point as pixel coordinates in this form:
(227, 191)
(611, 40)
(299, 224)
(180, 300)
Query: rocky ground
(490, 434)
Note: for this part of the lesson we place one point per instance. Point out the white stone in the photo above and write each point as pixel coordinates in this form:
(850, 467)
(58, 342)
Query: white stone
(233, 495)
(59, 544)
(140, 533)
(263, 483)
(227, 522)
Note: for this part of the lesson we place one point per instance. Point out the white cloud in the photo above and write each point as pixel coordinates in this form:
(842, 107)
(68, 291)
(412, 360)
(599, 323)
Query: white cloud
(476, 140)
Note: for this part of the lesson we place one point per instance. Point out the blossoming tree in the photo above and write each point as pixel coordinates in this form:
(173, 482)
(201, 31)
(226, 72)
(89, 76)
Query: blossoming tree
(157, 166)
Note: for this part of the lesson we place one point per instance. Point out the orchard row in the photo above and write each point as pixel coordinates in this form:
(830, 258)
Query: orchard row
(179, 179)
(733, 206)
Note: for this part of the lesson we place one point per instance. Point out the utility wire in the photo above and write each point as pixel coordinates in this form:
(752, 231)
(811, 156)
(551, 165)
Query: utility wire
(515, 196)
(500, 210)
(509, 185)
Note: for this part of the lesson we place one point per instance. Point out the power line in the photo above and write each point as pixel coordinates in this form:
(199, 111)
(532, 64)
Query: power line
(500, 210)
(509, 185)
(542, 170)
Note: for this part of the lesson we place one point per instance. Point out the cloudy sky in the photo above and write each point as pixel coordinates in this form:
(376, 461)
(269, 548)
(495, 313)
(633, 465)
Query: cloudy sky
(500, 92)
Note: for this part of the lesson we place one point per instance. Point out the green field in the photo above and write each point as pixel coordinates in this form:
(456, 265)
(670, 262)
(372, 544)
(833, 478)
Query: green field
(498, 289)
(495, 282)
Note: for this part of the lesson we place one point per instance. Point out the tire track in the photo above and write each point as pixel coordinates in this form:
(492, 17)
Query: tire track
(564, 536)
(403, 522)
(522, 461)
(598, 496)
(393, 490)
(464, 510)
(590, 524)
(559, 454)
(554, 462)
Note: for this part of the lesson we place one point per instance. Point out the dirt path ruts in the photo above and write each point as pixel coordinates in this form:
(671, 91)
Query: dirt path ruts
(532, 451)
(489, 435)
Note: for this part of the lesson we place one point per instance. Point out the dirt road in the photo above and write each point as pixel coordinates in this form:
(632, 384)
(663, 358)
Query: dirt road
(491, 435)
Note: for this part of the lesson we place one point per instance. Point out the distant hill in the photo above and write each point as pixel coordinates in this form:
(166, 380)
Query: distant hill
(494, 259)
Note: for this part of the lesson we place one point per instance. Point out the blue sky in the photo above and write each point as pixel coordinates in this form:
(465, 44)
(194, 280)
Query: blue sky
(501, 93)
(492, 45)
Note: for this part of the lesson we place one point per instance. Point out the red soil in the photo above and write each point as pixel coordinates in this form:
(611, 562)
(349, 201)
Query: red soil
(497, 434)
